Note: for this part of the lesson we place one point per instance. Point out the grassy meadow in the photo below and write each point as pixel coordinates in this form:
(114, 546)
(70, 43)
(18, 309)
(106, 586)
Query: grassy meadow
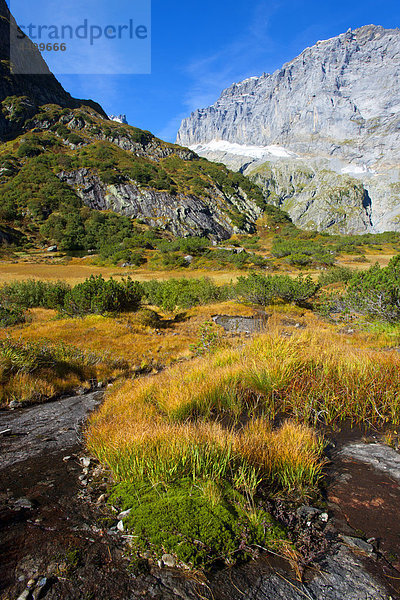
(203, 428)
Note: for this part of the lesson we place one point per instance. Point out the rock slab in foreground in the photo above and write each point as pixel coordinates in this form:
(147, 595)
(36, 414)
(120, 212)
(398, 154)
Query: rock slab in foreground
(342, 577)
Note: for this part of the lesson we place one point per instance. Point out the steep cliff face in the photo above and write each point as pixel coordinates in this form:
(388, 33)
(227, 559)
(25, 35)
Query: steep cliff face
(71, 158)
(182, 215)
(22, 95)
(338, 104)
(316, 199)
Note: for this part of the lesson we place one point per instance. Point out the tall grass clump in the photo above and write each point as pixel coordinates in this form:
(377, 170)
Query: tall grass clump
(36, 371)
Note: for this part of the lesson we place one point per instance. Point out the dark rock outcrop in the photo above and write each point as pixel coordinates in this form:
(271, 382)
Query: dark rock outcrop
(22, 94)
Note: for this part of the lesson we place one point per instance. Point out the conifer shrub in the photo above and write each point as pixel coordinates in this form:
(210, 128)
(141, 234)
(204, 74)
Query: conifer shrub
(99, 296)
(268, 289)
(11, 315)
(182, 293)
(376, 292)
(34, 293)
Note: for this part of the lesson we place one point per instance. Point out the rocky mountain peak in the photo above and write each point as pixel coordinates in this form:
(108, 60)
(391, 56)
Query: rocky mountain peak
(336, 106)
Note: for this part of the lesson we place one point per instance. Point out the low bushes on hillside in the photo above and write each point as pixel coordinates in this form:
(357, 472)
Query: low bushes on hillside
(336, 275)
(302, 253)
(267, 289)
(98, 296)
(182, 293)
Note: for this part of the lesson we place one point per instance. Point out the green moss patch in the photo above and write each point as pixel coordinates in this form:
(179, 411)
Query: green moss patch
(200, 524)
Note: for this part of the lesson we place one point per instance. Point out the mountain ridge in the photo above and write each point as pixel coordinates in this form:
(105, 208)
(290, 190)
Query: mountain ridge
(336, 106)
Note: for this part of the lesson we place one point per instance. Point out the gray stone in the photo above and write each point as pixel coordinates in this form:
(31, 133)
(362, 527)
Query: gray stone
(52, 249)
(124, 513)
(23, 503)
(168, 560)
(46, 427)
(342, 576)
(85, 461)
(120, 526)
(26, 594)
(381, 457)
(307, 512)
(358, 544)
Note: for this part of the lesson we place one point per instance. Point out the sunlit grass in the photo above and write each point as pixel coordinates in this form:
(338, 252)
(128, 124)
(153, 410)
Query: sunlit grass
(227, 403)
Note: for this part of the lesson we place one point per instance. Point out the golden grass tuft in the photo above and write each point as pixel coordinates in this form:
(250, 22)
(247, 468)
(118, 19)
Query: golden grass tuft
(221, 407)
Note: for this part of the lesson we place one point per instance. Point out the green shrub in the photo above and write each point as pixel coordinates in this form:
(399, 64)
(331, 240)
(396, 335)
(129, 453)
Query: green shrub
(34, 294)
(75, 139)
(182, 293)
(9, 316)
(265, 290)
(29, 149)
(336, 275)
(99, 296)
(376, 292)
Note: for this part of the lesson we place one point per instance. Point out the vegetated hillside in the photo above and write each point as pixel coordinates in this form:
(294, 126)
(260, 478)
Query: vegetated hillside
(336, 107)
(62, 154)
(72, 160)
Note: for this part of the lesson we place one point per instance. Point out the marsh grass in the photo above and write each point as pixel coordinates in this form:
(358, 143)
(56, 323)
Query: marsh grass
(36, 371)
(213, 416)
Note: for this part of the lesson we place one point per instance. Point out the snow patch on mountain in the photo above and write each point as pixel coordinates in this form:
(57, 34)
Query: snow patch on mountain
(256, 152)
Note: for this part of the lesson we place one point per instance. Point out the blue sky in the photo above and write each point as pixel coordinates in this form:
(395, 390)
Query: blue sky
(199, 48)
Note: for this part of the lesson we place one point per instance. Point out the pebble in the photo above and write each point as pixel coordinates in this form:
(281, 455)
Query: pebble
(14, 404)
(85, 461)
(324, 517)
(168, 560)
(25, 595)
(23, 503)
(120, 526)
(124, 513)
(307, 511)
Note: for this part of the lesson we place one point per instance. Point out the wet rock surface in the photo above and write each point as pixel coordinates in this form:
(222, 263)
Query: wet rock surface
(44, 428)
(364, 497)
(59, 541)
(381, 457)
